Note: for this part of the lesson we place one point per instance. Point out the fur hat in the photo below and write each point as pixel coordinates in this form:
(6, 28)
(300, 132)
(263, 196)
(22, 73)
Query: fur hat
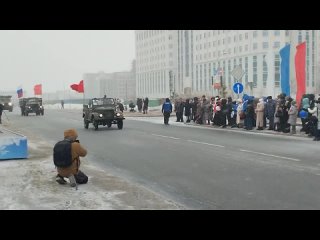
(70, 133)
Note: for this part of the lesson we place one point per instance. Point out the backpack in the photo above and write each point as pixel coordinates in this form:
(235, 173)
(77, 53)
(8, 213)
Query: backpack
(62, 156)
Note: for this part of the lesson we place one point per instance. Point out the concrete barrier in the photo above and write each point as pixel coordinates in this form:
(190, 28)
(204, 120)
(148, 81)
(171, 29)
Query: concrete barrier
(12, 145)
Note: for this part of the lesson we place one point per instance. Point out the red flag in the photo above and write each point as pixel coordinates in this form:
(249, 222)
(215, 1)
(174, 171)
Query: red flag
(38, 89)
(300, 64)
(78, 87)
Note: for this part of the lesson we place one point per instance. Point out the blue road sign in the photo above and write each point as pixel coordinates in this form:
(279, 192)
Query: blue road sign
(238, 88)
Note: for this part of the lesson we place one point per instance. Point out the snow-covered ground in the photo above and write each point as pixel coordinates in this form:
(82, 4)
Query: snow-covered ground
(30, 184)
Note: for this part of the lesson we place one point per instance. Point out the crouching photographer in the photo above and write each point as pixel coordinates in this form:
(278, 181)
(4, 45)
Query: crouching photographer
(66, 157)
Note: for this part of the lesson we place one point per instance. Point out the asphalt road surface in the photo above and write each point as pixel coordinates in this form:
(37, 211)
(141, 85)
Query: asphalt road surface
(200, 167)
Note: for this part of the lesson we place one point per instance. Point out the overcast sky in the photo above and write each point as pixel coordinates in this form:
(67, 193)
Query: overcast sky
(57, 59)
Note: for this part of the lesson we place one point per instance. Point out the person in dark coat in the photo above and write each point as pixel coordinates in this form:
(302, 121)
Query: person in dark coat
(145, 105)
(139, 104)
(270, 111)
(187, 110)
(194, 108)
(249, 115)
(166, 111)
(179, 106)
(229, 110)
(224, 112)
(1, 110)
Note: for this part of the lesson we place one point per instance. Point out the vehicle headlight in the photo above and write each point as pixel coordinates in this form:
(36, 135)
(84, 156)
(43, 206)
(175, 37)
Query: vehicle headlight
(10, 104)
(100, 115)
(118, 114)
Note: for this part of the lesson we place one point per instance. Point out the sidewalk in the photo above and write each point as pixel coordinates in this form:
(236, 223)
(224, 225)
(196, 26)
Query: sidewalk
(158, 113)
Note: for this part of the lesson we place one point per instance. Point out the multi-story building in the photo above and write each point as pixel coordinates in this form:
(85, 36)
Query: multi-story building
(156, 65)
(191, 58)
(120, 85)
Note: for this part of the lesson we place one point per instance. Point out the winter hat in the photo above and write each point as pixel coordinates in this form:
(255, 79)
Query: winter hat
(70, 133)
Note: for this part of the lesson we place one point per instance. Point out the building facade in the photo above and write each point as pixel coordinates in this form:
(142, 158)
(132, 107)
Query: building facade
(120, 85)
(156, 65)
(187, 62)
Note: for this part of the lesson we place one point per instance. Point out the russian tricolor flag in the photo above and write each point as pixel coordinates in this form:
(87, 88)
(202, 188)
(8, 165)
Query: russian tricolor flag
(20, 93)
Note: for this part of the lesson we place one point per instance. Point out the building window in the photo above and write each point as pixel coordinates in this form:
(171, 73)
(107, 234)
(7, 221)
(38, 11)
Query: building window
(277, 32)
(255, 71)
(265, 72)
(265, 45)
(229, 70)
(276, 70)
(255, 46)
(300, 37)
(197, 78)
(240, 37)
(246, 69)
(200, 77)
(246, 35)
(287, 33)
(246, 48)
(205, 76)
(255, 34)
(265, 33)
(276, 45)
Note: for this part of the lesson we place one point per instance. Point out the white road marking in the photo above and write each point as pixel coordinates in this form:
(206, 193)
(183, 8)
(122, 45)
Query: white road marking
(164, 136)
(210, 144)
(270, 155)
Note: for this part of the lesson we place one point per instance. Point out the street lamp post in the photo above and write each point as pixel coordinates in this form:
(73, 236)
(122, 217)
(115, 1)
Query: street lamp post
(219, 73)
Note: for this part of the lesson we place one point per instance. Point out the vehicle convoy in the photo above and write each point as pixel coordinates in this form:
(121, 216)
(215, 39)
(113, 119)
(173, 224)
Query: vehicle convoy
(102, 111)
(31, 105)
(7, 102)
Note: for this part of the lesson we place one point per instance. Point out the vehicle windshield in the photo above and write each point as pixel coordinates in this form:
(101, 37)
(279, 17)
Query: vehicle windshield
(102, 101)
(33, 101)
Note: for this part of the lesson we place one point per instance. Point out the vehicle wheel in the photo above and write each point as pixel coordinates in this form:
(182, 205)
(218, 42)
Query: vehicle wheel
(27, 114)
(120, 124)
(95, 124)
(109, 125)
(86, 124)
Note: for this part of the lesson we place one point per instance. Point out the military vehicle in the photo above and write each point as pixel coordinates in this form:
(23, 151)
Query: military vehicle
(31, 105)
(102, 111)
(7, 102)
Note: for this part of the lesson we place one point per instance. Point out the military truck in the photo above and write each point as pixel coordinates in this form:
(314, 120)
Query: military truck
(7, 102)
(31, 105)
(102, 111)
